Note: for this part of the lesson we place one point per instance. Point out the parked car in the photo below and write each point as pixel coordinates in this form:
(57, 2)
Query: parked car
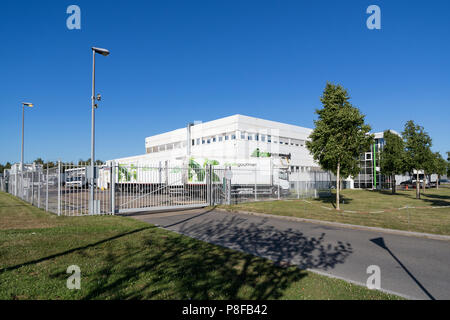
(406, 183)
(412, 184)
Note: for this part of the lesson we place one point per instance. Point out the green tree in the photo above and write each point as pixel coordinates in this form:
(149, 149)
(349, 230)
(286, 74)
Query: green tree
(440, 167)
(39, 161)
(340, 135)
(50, 164)
(4, 167)
(417, 150)
(429, 167)
(392, 156)
(448, 163)
(88, 162)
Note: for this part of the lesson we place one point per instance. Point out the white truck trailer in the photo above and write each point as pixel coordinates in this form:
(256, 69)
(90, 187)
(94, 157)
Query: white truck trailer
(76, 177)
(267, 175)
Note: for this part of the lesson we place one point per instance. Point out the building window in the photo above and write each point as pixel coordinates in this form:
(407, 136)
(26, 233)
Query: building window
(193, 142)
(220, 138)
(226, 137)
(269, 138)
(368, 156)
(233, 137)
(208, 141)
(242, 135)
(263, 138)
(203, 141)
(257, 137)
(198, 141)
(214, 139)
(249, 137)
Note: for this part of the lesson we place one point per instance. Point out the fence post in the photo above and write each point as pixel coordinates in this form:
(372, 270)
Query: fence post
(46, 191)
(208, 184)
(39, 189)
(256, 196)
(32, 186)
(298, 189)
(278, 185)
(112, 185)
(59, 187)
(228, 196)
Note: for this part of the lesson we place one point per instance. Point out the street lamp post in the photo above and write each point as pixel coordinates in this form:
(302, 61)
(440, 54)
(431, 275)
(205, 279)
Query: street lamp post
(23, 123)
(103, 52)
(30, 105)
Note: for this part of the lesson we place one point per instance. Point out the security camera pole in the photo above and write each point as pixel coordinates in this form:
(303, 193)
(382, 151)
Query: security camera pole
(23, 126)
(103, 52)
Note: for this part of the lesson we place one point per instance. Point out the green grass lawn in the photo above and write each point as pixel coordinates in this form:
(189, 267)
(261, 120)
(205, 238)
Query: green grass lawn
(362, 207)
(121, 258)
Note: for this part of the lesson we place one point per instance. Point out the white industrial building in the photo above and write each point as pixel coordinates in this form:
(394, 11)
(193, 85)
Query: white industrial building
(234, 138)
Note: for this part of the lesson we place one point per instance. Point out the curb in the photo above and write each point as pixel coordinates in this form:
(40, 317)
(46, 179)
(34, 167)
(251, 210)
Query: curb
(345, 225)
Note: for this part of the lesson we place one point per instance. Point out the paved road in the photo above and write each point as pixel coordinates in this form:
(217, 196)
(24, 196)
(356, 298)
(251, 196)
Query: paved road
(413, 267)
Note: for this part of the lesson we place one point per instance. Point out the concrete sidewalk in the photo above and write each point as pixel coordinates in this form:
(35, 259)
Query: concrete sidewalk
(416, 268)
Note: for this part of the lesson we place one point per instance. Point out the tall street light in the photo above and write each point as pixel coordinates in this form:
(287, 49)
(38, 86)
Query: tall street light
(103, 52)
(30, 105)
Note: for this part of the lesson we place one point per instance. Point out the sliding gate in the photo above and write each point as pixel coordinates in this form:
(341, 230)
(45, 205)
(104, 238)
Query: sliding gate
(143, 188)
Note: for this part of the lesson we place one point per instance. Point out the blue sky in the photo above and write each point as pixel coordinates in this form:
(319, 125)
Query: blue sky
(173, 62)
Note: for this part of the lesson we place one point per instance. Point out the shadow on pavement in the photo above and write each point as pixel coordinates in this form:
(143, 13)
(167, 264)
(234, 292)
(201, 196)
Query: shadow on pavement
(282, 246)
(380, 242)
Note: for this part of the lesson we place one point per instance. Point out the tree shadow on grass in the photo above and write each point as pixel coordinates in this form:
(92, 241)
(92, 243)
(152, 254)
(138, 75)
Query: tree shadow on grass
(436, 199)
(331, 200)
(174, 267)
(429, 198)
(74, 250)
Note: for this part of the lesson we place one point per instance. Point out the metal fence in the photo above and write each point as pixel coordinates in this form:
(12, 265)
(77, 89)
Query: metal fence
(63, 190)
(117, 188)
(253, 184)
(146, 188)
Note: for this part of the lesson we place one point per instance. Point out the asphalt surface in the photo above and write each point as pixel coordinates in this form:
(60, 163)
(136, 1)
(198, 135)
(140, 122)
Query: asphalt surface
(415, 268)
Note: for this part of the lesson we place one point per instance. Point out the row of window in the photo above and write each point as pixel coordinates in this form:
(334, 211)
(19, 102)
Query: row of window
(249, 137)
(227, 137)
(299, 169)
(165, 147)
(221, 138)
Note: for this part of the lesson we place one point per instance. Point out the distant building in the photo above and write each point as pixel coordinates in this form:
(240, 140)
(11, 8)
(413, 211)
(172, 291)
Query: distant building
(370, 176)
(236, 137)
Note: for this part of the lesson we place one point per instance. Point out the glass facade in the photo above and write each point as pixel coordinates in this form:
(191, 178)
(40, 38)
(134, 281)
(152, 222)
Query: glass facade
(367, 162)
